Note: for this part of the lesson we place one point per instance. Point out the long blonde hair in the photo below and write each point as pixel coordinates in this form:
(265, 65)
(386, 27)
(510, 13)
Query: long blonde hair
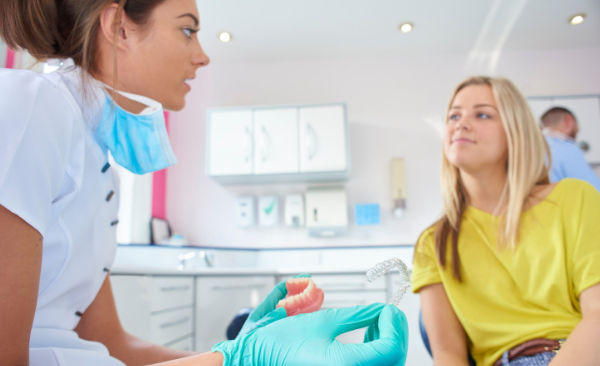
(528, 165)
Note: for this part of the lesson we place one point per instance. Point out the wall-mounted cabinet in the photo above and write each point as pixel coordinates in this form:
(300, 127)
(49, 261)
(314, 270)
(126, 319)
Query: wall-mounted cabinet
(278, 144)
(587, 111)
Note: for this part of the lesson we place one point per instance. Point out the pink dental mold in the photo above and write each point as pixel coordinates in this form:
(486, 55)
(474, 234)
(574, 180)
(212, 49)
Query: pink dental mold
(303, 297)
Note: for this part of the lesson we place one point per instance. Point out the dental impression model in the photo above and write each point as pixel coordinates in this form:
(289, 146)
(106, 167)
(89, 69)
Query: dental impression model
(384, 267)
(303, 297)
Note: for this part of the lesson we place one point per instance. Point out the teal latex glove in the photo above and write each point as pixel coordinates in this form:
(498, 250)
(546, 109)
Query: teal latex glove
(309, 339)
(258, 317)
(374, 332)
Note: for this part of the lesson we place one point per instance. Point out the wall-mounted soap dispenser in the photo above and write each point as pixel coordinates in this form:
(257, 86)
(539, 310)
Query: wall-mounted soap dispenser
(326, 211)
(294, 210)
(398, 186)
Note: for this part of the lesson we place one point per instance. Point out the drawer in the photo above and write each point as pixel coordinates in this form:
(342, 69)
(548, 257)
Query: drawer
(171, 292)
(186, 344)
(347, 282)
(219, 299)
(352, 298)
(171, 325)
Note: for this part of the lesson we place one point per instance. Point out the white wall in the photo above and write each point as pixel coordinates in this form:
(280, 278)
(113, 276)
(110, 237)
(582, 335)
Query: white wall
(395, 109)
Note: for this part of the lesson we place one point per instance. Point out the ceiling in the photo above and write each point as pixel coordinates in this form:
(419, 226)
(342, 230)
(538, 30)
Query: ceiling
(275, 30)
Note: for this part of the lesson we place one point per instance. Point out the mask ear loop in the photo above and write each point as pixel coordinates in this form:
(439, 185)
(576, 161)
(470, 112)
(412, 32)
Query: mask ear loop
(384, 267)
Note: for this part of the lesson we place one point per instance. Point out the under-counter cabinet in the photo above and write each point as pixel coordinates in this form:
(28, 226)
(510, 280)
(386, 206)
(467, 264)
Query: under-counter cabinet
(219, 299)
(278, 144)
(156, 309)
(587, 111)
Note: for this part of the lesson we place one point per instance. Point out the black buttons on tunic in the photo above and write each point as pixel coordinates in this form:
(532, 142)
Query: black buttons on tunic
(114, 223)
(112, 193)
(79, 313)
(106, 270)
(105, 168)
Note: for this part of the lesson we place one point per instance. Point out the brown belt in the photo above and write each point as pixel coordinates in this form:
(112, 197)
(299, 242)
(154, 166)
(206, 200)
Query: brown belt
(532, 347)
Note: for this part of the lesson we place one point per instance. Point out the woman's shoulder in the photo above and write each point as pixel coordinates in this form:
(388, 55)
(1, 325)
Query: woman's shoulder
(571, 195)
(572, 190)
(427, 237)
(24, 92)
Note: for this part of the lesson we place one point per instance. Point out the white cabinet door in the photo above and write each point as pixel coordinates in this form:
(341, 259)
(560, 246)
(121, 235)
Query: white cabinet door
(133, 301)
(587, 112)
(276, 141)
(230, 142)
(218, 300)
(323, 139)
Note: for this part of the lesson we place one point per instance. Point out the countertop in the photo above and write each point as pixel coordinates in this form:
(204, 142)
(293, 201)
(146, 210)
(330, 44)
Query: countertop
(230, 271)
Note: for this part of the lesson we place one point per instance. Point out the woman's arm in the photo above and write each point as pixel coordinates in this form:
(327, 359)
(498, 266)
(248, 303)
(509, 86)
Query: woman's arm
(583, 344)
(100, 323)
(446, 335)
(20, 267)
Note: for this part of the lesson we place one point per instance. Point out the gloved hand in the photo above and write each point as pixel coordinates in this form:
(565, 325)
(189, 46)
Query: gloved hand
(309, 339)
(257, 317)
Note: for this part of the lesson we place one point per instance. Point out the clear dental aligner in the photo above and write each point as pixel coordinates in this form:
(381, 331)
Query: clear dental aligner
(384, 267)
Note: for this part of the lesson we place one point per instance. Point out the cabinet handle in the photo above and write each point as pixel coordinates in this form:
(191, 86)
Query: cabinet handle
(176, 322)
(175, 288)
(265, 143)
(311, 142)
(236, 287)
(247, 145)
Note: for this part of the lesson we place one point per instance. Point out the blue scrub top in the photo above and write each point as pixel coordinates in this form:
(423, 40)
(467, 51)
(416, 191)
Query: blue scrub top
(568, 162)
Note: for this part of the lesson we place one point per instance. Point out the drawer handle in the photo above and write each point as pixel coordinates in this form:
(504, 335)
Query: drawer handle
(238, 287)
(177, 322)
(175, 288)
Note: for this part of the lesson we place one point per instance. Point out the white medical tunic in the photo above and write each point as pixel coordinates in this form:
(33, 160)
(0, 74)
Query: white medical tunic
(54, 174)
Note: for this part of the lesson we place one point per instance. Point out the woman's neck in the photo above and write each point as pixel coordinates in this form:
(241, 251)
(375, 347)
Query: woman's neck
(106, 76)
(485, 188)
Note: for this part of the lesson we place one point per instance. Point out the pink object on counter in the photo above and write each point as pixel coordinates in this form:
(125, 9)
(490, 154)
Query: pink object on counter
(159, 188)
(303, 297)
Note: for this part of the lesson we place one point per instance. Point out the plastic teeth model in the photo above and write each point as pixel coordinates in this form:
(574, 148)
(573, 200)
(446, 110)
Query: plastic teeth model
(303, 297)
(384, 267)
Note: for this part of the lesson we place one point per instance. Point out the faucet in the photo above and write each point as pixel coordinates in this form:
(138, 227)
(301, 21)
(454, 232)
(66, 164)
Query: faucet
(209, 257)
(183, 258)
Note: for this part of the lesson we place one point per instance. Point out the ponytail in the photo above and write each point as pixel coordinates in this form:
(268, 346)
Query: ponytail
(63, 28)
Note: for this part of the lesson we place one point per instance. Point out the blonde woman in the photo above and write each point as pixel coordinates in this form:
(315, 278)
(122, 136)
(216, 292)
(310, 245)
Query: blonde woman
(511, 273)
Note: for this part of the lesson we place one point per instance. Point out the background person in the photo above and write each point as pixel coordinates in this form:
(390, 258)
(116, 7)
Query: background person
(59, 196)
(568, 161)
(514, 261)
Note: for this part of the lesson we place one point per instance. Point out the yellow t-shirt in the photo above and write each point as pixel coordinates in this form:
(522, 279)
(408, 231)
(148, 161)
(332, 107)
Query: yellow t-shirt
(508, 297)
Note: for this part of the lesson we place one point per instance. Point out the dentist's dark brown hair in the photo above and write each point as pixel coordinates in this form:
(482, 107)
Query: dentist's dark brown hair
(63, 28)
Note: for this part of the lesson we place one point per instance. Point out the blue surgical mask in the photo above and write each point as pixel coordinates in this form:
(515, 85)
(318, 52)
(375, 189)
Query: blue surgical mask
(137, 142)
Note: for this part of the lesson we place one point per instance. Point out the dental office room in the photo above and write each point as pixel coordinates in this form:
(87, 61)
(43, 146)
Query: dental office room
(342, 183)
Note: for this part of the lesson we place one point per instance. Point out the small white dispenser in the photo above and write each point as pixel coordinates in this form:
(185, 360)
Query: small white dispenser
(244, 211)
(326, 212)
(294, 210)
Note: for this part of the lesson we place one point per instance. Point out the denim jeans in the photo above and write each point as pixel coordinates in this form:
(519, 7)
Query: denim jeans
(541, 359)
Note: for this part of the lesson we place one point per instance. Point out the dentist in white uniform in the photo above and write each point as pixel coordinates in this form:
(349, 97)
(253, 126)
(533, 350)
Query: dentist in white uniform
(59, 196)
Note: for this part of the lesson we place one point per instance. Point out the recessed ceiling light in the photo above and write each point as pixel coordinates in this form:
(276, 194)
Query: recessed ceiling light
(406, 27)
(225, 37)
(577, 19)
